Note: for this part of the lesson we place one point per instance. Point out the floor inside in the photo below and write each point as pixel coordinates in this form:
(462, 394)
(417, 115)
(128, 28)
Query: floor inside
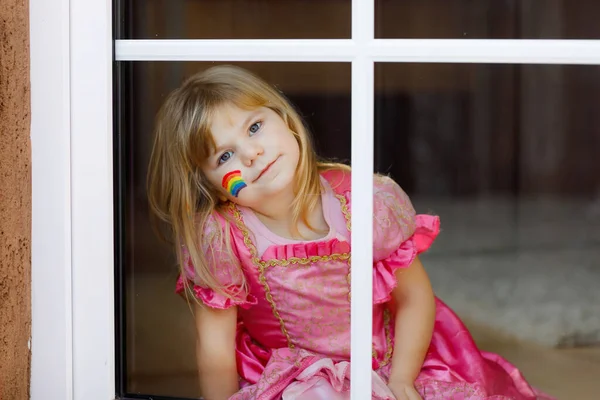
(564, 373)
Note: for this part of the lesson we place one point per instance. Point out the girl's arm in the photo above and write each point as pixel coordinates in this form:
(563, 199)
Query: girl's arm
(415, 316)
(215, 352)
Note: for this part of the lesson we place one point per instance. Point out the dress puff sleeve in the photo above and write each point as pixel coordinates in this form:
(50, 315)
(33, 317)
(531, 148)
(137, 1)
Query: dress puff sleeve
(224, 266)
(399, 235)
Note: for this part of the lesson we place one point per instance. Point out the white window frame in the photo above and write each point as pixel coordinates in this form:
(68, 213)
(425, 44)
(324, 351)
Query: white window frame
(73, 347)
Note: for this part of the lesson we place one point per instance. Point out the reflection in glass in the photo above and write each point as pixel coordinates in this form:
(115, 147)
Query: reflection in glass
(159, 328)
(507, 156)
(487, 19)
(238, 19)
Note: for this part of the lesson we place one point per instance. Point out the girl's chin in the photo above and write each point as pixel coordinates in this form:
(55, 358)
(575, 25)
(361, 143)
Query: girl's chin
(262, 197)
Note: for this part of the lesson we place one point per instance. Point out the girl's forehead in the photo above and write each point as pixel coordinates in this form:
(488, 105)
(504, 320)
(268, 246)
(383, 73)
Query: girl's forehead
(225, 114)
(228, 116)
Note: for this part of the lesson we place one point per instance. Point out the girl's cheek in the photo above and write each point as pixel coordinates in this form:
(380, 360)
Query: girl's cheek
(233, 183)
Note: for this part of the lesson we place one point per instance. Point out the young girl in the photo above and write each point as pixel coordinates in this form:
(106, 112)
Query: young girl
(262, 231)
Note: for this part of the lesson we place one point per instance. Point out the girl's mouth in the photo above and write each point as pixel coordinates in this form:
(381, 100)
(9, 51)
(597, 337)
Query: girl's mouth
(264, 171)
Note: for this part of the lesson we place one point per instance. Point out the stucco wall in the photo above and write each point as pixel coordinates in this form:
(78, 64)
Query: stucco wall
(15, 201)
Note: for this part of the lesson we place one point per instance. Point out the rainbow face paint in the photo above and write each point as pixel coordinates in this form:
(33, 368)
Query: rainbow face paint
(233, 182)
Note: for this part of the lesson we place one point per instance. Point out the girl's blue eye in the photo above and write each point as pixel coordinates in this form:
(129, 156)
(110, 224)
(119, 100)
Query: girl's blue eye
(226, 156)
(255, 127)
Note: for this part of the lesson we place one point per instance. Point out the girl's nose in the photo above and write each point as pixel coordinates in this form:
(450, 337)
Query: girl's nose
(252, 150)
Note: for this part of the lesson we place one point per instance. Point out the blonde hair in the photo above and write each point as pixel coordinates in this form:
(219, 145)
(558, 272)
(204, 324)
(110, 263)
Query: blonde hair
(179, 194)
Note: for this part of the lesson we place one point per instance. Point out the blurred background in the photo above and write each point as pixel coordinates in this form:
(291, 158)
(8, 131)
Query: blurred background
(507, 155)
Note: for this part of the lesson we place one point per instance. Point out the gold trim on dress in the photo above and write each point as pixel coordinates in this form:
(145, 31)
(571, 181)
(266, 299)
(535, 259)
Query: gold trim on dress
(387, 317)
(344, 205)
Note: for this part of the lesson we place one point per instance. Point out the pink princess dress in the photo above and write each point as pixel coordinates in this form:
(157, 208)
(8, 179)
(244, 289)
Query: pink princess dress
(293, 336)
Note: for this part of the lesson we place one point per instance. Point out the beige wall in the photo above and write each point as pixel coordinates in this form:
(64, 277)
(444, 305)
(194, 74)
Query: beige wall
(15, 201)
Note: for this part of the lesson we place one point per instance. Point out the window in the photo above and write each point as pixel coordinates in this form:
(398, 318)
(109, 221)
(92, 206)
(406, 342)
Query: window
(466, 111)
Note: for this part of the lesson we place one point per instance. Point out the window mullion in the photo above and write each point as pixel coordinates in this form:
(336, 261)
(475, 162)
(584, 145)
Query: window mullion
(362, 226)
(363, 22)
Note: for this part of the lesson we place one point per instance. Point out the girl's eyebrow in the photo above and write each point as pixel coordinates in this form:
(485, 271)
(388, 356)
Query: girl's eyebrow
(250, 117)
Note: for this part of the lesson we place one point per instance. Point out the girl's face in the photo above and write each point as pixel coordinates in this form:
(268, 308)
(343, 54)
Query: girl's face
(256, 156)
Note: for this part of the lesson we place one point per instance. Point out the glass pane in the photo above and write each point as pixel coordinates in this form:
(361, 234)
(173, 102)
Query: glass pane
(237, 19)
(159, 338)
(487, 19)
(507, 156)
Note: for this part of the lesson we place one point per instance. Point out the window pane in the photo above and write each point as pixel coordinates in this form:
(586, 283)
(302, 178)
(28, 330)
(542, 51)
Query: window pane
(237, 19)
(493, 19)
(507, 155)
(159, 330)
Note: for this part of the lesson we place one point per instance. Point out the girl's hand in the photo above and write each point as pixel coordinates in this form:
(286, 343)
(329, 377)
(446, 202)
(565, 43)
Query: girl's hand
(404, 390)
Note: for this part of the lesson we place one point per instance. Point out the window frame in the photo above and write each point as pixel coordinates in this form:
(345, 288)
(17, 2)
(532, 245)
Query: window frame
(73, 230)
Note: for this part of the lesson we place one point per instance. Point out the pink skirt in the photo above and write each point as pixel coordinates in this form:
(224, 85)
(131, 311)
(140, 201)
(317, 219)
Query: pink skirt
(454, 369)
